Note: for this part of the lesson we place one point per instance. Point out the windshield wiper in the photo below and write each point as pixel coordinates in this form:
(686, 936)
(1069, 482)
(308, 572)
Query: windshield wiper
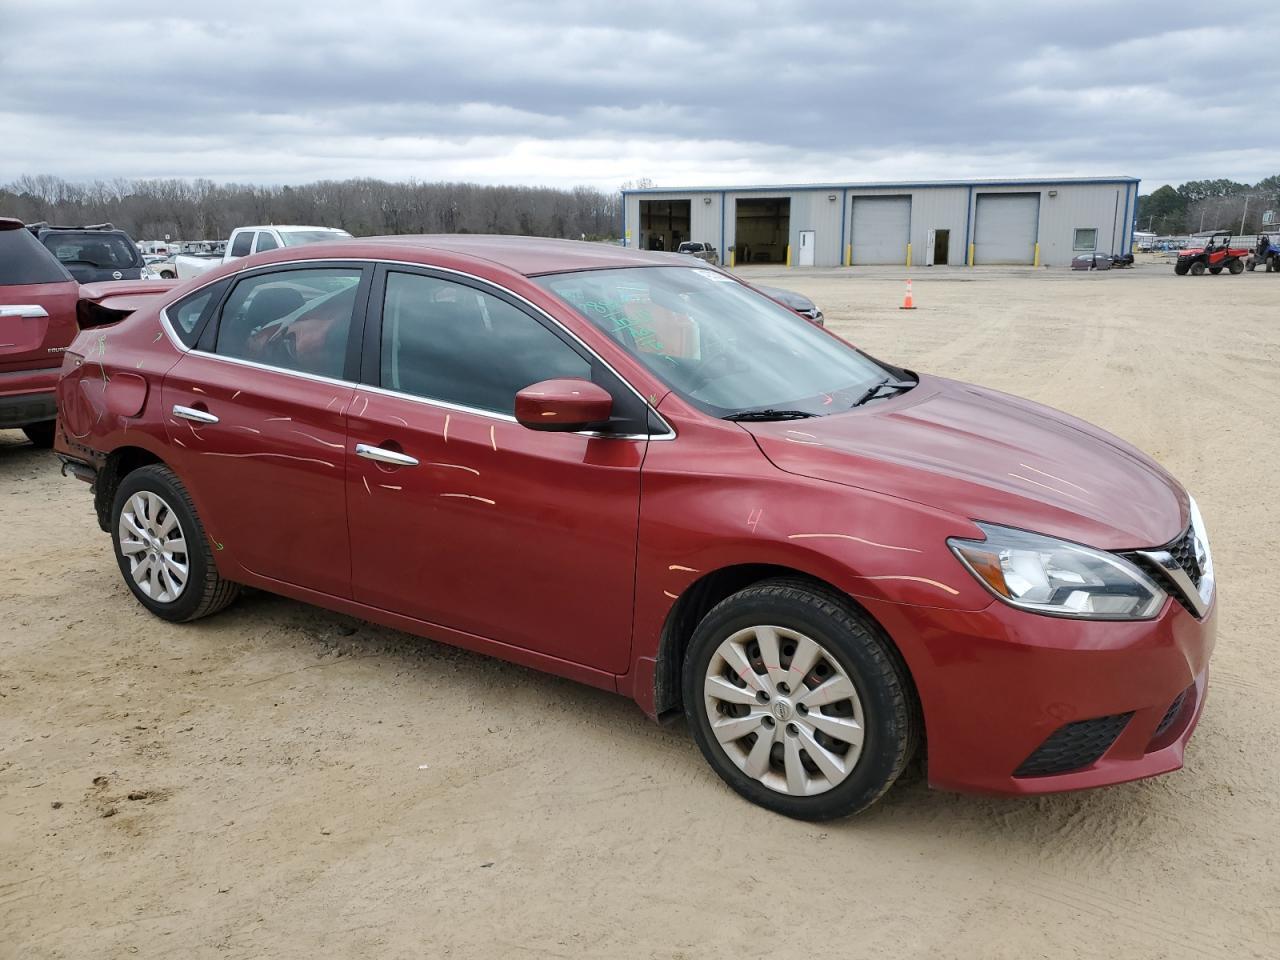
(874, 391)
(768, 413)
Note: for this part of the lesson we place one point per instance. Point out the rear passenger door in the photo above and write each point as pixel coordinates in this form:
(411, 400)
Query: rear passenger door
(256, 418)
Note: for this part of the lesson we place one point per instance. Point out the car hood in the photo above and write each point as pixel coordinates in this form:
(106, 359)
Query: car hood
(988, 456)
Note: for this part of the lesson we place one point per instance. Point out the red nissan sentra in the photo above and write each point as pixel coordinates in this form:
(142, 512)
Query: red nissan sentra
(633, 470)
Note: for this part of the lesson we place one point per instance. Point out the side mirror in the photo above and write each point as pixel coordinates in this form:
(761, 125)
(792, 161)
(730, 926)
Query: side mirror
(563, 404)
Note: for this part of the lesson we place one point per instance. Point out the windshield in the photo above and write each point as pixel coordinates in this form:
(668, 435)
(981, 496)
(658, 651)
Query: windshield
(718, 343)
(297, 238)
(109, 251)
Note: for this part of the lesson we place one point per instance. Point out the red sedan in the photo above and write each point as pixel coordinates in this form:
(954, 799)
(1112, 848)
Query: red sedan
(633, 470)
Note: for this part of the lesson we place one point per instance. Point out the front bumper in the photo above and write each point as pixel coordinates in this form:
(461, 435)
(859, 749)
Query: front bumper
(996, 684)
(28, 396)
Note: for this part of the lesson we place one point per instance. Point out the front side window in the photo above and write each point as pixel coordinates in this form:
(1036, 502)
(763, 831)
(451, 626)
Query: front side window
(266, 242)
(1086, 239)
(296, 319)
(719, 344)
(242, 244)
(447, 341)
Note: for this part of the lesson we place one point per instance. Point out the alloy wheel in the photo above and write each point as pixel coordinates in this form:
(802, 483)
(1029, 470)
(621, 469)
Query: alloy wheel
(152, 540)
(784, 710)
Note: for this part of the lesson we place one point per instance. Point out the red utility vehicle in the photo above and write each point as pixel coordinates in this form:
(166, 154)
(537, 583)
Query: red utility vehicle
(633, 470)
(1215, 257)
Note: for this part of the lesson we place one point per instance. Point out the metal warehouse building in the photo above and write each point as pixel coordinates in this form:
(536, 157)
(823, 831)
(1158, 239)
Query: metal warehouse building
(930, 223)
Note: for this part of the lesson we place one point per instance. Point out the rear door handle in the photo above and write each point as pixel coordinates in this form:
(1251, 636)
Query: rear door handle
(28, 311)
(191, 413)
(383, 455)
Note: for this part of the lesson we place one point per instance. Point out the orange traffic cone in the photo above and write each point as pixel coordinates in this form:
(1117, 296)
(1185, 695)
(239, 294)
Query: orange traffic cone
(907, 302)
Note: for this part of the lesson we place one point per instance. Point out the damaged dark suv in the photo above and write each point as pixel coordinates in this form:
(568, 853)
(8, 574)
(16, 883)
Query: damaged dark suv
(93, 254)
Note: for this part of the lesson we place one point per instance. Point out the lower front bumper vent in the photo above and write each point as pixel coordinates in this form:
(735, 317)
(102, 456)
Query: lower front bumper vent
(1074, 746)
(1171, 714)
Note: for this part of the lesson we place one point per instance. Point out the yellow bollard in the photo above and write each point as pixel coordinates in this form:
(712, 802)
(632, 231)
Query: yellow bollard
(971, 254)
(733, 256)
(908, 254)
(848, 254)
(788, 254)
(1036, 263)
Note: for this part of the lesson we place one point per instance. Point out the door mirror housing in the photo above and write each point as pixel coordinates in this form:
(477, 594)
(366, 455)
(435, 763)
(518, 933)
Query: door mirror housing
(564, 404)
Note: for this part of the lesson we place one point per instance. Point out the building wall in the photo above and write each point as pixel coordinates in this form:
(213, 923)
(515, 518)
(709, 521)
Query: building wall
(1108, 207)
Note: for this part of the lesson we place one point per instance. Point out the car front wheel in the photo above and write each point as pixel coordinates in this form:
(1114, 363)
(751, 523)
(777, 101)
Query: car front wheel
(162, 549)
(798, 700)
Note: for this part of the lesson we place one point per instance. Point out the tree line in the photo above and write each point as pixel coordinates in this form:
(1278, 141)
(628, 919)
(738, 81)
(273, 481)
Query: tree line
(204, 210)
(1200, 205)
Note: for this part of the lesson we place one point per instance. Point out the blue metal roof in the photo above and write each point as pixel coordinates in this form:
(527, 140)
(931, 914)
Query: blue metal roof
(891, 185)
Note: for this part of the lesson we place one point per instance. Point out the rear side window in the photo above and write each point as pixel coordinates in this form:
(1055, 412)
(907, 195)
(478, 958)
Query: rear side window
(242, 243)
(294, 319)
(187, 316)
(266, 242)
(23, 260)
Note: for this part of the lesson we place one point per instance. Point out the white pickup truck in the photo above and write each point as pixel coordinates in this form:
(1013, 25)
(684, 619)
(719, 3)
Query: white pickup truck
(247, 240)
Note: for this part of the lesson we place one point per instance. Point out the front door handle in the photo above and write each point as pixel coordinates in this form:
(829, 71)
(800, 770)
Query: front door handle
(383, 455)
(191, 413)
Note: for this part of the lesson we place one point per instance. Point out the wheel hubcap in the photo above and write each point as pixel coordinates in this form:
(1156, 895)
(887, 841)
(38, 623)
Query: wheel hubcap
(784, 710)
(152, 540)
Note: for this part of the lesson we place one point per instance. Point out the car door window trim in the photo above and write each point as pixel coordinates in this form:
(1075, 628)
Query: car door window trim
(362, 318)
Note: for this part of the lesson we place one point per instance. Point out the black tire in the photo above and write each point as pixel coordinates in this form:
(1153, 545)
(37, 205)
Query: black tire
(205, 592)
(1197, 269)
(41, 434)
(1235, 267)
(1181, 269)
(1250, 265)
(1215, 270)
(168, 275)
(891, 712)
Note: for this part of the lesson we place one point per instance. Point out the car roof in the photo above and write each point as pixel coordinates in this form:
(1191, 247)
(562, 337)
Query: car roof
(284, 227)
(530, 256)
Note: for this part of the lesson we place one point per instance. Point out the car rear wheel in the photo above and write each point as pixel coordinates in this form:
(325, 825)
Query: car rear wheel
(40, 434)
(162, 549)
(798, 701)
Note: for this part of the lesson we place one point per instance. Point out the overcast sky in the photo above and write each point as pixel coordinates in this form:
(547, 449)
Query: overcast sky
(563, 92)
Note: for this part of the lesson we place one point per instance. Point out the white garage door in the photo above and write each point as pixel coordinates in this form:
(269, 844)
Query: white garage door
(881, 229)
(1005, 228)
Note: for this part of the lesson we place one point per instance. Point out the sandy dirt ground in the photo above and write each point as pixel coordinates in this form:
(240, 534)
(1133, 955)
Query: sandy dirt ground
(283, 782)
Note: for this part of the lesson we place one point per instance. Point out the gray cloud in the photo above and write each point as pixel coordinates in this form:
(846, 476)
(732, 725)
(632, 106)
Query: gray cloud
(684, 93)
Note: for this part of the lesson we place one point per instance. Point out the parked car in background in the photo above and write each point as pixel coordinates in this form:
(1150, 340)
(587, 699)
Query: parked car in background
(793, 301)
(650, 477)
(37, 323)
(703, 251)
(161, 267)
(93, 254)
(245, 241)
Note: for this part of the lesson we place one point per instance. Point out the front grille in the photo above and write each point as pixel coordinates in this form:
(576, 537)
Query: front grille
(1074, 746)
(1171, 714)
(1183, 551)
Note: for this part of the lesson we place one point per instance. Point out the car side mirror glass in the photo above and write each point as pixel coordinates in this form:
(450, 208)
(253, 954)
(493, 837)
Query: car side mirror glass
(563, 404)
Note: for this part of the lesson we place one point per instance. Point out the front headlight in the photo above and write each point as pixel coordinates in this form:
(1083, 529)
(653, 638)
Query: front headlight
(1055, 577)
